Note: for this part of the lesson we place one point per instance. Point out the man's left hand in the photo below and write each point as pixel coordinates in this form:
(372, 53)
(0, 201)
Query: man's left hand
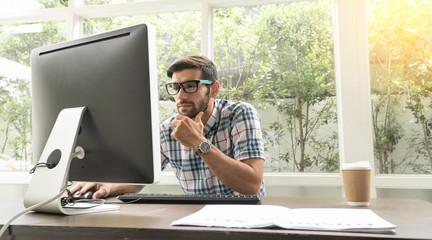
(188, 131)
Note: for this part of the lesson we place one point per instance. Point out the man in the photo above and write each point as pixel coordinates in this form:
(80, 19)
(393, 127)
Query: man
(214, 146)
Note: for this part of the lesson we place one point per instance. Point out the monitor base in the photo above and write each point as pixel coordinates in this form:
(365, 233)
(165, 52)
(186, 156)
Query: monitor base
(50, 176)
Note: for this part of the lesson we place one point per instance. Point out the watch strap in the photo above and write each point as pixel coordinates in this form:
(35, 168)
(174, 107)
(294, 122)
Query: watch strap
(199, 152)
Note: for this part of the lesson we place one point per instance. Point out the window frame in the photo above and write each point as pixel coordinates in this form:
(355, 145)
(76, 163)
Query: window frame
(351, 74)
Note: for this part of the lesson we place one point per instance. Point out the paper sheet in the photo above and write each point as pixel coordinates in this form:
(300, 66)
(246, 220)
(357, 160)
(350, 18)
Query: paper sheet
(259, 216)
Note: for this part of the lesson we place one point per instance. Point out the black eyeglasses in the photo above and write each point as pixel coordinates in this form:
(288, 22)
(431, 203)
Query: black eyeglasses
(189, 86)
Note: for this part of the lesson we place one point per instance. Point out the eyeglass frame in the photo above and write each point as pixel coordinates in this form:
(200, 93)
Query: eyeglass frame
(170, 85)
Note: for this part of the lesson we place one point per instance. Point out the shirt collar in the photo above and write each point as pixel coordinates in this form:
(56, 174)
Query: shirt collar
(211, 122)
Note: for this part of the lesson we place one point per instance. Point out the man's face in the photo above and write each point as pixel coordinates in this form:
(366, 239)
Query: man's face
(190, 104)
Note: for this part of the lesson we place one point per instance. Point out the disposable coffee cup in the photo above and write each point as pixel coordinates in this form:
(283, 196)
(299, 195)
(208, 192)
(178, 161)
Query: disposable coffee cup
(356, 179)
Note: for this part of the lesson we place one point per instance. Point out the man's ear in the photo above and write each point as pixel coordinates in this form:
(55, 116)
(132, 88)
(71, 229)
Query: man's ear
(214, 89)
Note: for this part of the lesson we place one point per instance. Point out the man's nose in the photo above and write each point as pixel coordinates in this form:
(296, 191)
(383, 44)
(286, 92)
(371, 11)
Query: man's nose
(182, 94)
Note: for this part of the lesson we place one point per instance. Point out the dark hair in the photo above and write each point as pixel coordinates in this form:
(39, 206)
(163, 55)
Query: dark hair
(207, 67)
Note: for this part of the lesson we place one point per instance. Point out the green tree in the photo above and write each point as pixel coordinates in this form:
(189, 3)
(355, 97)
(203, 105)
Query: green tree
(53, 3)
(17, 47)
(419, 102)
(4, 98)
(177, 35)
(284, 58)
(400, 56)
(15, 95)
(15, 110)
(280, 55)
(236, 39)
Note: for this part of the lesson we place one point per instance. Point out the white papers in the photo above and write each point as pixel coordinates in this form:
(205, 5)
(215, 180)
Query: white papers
(259, 216)
(85, 208)
(85, 205)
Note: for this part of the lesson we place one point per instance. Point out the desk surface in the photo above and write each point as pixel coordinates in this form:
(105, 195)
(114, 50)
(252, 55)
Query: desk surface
(413, 220)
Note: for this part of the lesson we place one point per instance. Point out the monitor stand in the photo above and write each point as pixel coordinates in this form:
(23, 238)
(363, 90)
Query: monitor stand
(47, 182)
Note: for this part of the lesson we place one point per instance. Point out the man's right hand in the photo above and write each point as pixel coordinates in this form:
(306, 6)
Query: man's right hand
(101, 190)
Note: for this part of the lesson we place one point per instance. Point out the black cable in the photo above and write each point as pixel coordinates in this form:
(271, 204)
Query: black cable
(41, 164)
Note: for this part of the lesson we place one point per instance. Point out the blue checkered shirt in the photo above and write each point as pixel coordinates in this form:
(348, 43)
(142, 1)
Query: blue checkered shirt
(234, 128)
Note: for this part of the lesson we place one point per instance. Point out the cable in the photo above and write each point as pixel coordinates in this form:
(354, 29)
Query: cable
(92, 203)
(79, 153)
(41, 164)
(6, 226)
(69, 201)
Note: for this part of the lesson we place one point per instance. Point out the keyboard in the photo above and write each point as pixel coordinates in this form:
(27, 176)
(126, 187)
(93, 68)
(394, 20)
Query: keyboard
(188, 198)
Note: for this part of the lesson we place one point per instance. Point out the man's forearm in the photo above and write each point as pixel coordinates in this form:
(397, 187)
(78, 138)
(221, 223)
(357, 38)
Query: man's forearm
(118, 189)
(244, 177)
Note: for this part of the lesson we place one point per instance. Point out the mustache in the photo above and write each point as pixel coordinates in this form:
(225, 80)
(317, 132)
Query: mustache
(184, 102)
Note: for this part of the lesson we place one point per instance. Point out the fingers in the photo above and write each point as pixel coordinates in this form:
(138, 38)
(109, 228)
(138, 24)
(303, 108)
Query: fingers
(97, 195)
(100, 190)
(198, 117)
(76, 187)
(88, 186)
(180, 118)
(187, 131)
(175, 123)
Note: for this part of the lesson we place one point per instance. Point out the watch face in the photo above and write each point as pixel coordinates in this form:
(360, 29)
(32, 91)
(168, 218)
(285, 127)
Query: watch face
(204, 147)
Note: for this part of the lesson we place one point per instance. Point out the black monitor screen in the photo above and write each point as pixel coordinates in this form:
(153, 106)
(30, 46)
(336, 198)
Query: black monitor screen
(114, 75)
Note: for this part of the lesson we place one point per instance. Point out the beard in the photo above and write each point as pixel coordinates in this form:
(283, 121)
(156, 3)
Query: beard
(201, 106)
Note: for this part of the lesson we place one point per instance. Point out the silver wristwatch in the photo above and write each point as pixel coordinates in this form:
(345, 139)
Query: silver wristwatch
(204, 147)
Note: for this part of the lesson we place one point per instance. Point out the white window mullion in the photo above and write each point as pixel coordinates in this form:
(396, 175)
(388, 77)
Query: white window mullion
(74, 22)
(207, 46)
(352, 83)
(32, 16)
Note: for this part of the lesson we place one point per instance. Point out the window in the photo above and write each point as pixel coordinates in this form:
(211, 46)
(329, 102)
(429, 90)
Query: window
(401, 83)
(20, 5)
(280, 58)
(263, 58)
(16, 42)
(177, 34)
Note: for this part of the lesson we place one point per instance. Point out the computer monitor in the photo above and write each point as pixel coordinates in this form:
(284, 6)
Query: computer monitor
(114, 76)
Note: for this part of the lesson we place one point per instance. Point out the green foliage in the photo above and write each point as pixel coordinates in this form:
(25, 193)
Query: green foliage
(416, 96)
(53, 3)
(16, 110)
(15, 96)
(419, 102)
(388, 131)
(297, 76)
(280, 56)
(17, 47)
(177, 35)
(400, 55)
(236, 44)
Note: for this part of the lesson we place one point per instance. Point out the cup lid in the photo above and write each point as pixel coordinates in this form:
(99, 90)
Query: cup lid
(356, 165)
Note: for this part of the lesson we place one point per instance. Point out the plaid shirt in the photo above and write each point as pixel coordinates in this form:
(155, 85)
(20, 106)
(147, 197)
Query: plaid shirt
(234, 128)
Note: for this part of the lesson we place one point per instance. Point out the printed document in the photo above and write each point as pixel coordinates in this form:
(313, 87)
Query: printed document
(261, 216)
